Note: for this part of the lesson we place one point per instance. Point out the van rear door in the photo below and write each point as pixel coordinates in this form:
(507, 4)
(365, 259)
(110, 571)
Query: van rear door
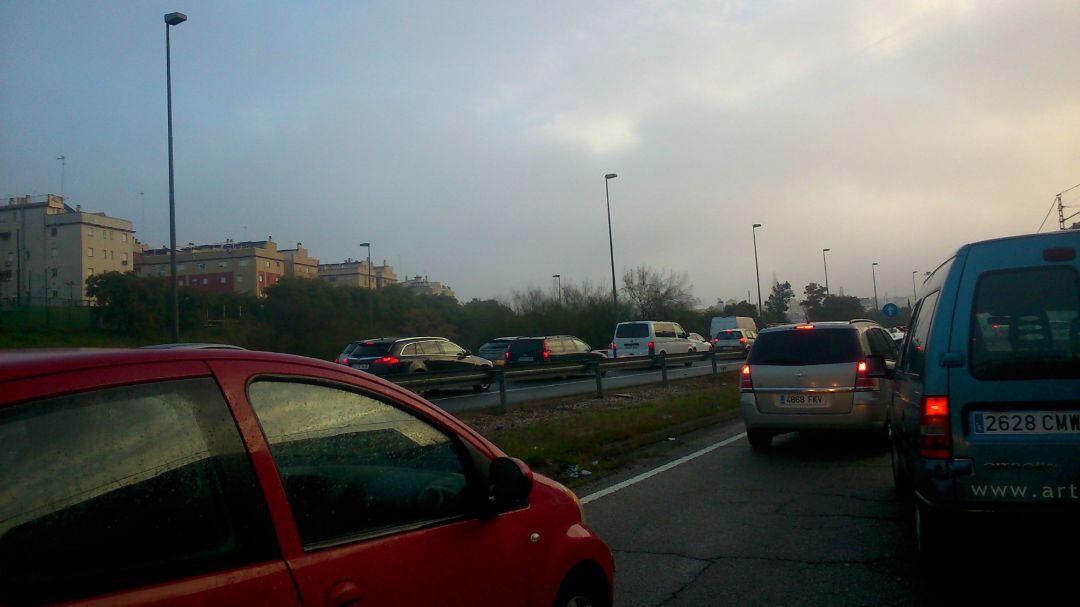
(632, 339)
(1014, 376)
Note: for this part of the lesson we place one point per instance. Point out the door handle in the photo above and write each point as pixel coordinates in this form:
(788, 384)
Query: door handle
(343, 594)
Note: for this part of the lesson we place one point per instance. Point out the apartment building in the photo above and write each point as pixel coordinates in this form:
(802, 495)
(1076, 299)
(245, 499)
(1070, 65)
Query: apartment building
(357, 273)
(48, 249)
(422, 285)
(241, 267)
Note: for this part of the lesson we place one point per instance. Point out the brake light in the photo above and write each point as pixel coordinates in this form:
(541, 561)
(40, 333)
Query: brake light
(652, 348)
(369, 343)
(862, 382)
(714, 340)
(935, 438)
(546, 354)
(613, 353)
(506, 355)
(742, 340)
(746, 384)
(388, 360)
(804, 326)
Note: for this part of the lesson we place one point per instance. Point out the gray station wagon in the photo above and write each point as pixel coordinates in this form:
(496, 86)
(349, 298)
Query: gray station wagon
(984, 412)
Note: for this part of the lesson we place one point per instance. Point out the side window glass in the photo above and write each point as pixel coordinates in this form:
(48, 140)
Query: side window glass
(429, 348)
(124, 487)
(409, 350)
(915, 347)
(450, 348)
(352, 465)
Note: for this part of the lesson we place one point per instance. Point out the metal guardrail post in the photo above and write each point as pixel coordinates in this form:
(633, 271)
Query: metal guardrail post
(712, 357)
(500, 376)
(599, 381)
(663, 371)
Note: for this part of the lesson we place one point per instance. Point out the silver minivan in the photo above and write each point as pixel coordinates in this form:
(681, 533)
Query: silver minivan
(650, 338)
(984, 413)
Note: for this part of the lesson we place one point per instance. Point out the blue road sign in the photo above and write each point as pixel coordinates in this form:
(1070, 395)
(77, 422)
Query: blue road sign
(890, 310)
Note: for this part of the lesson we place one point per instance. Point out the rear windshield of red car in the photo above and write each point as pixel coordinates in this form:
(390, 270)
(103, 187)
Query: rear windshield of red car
(815, 346)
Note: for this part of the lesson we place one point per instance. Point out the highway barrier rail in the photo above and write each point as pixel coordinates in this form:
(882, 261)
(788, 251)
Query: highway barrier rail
(499, 375)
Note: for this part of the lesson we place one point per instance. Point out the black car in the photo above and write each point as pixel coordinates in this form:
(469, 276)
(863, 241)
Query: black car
(495, 350)
(394, 356)
(551, 349)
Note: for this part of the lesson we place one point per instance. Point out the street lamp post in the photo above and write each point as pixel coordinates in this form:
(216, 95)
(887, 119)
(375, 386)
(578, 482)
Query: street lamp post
(371, 287)
(873, 272)
(914, 290)
(826, 262)
(172, 19)
(558, 277)
(611, 248)
(757, 272)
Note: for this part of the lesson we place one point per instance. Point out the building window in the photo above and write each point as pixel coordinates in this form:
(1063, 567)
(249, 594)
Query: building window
(202, 266)
(55, 294)
(90, 271)
(268, 264)
(52, 232)
(112, 235)
(90, 232)
(123, 257)
(10, 257)
(222, 264)
(54, 272)
(239, 278)
(206, 281)
(222, 280)
(243, 263)
(260, 278)
(179, 267)
(123, 238)
(89, 251)
(52, 253)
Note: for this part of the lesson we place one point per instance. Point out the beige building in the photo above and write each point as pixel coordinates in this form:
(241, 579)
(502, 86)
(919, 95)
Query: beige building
(48, 249)
(241, 267)
(357, 273)
(422, 285)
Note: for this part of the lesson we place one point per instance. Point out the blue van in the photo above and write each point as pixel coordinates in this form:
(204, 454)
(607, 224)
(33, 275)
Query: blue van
(984, 414)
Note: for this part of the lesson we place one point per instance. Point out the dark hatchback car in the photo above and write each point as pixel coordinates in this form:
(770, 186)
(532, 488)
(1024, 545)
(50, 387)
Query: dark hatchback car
(551, 349)
(187, 476)
(495, 350)
(390, 356)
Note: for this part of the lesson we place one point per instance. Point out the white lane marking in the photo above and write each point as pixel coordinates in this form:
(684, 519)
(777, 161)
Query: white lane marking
(592, 497)
(580, 381)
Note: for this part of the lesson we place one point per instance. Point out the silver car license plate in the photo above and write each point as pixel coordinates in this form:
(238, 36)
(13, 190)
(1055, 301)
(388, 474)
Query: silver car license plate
(802, 400)
(1026, 422)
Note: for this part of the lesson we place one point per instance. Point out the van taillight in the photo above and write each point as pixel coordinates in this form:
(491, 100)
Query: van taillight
(546, 354)
(652, 348)
(935, 438)
(862, 382)
(746, 384)
(742, 340)
(613, 353)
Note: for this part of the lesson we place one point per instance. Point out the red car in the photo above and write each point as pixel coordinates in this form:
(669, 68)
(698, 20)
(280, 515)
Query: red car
(185, 476)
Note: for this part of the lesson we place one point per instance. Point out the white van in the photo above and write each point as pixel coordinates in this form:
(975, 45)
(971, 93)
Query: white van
(721, 323)
(645, 337)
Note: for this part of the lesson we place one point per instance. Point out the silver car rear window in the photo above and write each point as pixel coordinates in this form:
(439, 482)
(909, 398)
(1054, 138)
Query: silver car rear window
(815, 346)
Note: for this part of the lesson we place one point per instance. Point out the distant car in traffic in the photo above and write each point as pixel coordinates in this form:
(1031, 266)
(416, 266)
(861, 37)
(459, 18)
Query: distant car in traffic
(394, 356)
(734, 340)
(551, 349)
(985, 413)
(815, 376)
(650, 338)
(495, 350)
(699, 343)
(182, 476)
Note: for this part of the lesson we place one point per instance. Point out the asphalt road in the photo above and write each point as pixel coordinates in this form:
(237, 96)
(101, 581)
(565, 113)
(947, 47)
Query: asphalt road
(518, 391)
(814, 521)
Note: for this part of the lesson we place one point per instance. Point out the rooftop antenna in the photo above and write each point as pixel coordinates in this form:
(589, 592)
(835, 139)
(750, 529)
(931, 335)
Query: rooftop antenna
(63, 163)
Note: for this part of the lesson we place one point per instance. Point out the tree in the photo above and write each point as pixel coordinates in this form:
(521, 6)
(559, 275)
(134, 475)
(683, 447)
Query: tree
(658, 293)
(815, 296)
(839, 307)
(776, 306)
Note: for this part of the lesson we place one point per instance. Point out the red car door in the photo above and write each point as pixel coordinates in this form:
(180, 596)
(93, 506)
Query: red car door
(374, 493)
(129, 485)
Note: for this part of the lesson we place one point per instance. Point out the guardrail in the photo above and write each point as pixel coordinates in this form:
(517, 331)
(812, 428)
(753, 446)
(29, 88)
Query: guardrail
(597, 369)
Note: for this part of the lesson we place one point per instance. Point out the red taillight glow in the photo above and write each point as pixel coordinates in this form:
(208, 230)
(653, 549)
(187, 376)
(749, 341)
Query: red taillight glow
(387, 360)
(506, 355)
(861, 380)
(746, 383)
(742, 340)
(546, 354)
(652, 348)
(804, 326)
(935, 438)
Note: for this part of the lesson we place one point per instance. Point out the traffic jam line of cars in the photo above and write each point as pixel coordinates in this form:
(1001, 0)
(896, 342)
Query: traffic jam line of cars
(206, 475)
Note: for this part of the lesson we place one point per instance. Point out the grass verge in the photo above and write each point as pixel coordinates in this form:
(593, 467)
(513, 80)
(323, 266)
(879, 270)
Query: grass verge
(581, 437)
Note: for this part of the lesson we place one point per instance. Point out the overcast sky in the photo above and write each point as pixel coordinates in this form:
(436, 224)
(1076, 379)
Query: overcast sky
(468, 141)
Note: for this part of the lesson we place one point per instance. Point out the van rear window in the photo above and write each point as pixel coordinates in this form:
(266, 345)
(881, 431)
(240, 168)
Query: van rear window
(806, 347)
(729, 334)
(634, 329)
(1025, 324)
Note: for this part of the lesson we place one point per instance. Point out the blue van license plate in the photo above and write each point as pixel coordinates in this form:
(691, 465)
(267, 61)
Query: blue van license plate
(1026, 422)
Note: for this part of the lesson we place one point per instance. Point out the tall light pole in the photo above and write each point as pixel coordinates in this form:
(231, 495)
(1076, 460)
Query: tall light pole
(914, 290)
(63, 164)
(558, 277)
(611, 247)
(873, 272)
(172, 19)
(371, 287)
(757, 272)
(826, 262)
